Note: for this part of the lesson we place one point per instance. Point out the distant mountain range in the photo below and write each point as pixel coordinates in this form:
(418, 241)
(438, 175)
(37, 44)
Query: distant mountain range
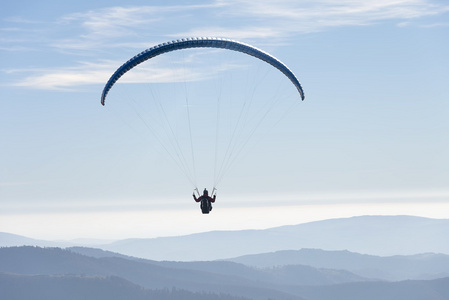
(392, 268)
(374, 235)
(366, 267)
(399, 257)
(54, 273)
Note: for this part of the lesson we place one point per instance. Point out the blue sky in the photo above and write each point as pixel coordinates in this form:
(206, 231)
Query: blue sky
(370, 138)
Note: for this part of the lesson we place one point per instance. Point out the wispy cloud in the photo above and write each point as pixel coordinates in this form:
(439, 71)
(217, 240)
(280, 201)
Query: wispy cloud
(63, 78)
(381, 9)
(86, 73)
(309, 16)
(238, 19)
(114, 25)
(93, 35)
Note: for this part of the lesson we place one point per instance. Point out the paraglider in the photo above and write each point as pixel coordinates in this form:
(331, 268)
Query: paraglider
(203, 42)
(205, 200)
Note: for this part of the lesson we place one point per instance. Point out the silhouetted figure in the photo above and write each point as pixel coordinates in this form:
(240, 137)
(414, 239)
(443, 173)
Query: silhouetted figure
(206, 201)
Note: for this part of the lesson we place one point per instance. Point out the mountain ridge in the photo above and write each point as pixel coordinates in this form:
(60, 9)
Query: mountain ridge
(393, 268)
(373, 235)
(33, 267)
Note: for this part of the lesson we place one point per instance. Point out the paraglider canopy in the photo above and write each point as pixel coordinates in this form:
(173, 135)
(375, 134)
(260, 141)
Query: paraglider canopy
(200, 42)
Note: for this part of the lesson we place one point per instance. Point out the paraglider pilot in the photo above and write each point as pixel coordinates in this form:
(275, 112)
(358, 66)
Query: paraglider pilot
(206, 201)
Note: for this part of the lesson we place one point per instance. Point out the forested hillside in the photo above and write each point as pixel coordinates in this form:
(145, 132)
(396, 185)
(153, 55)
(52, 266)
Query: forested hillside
(54, 273)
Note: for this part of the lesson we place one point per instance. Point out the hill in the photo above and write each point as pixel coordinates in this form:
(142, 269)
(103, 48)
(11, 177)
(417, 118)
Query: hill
(10, 240)
(398, 267)
(404, 290)
(375, 235)
(221, 278)
(74, 287)
(53, 273)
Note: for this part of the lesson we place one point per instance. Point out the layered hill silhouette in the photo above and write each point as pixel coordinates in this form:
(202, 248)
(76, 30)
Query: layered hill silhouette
(369, 257)
(374, 235)
(393, 268)
(48, 273)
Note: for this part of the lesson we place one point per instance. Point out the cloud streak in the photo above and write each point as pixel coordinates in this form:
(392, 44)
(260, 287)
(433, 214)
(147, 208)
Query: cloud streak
(95, 34)
(266, 19)
(86, 73)
(296, 17)
(63, 78)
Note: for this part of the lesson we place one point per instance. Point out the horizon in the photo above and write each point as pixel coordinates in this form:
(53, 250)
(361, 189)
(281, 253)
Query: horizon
(94, 240)
(374, 235)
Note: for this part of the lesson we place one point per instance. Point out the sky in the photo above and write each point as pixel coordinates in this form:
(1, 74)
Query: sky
(370, 138)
